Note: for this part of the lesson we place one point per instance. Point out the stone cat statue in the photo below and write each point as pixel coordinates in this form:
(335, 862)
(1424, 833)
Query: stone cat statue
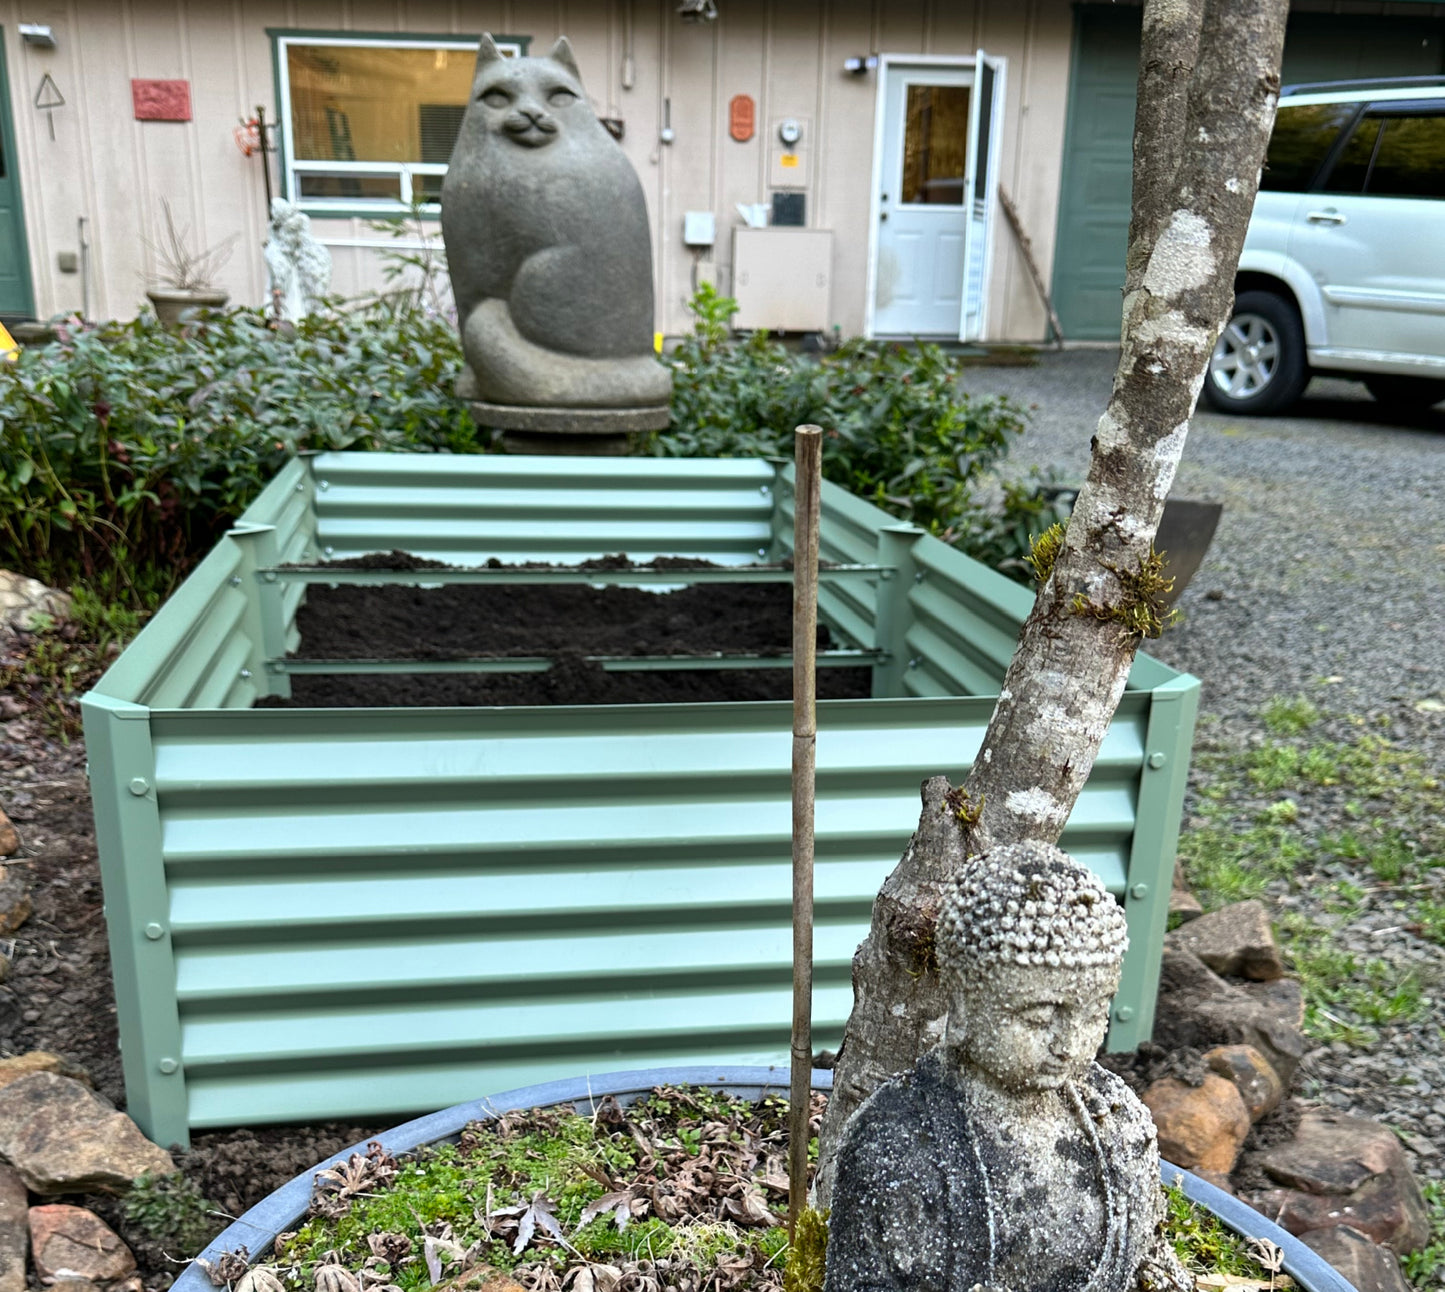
(547, 241)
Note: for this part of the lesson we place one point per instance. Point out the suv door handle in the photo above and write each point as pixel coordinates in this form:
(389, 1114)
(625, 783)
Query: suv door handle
(1325, 217)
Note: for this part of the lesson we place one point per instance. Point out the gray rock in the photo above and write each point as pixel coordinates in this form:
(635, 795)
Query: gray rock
(547, 244)
(1367, 1265)
(14, 1231)
(63, 1138)
(23, 1065)
(24, 600)
(1235, 940)
(15, 905)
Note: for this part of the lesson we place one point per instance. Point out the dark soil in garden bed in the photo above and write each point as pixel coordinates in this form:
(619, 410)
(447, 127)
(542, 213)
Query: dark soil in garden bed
(565, 623)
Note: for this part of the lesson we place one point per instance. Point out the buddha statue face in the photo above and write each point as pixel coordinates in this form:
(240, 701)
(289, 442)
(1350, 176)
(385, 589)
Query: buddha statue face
(1032, 1029)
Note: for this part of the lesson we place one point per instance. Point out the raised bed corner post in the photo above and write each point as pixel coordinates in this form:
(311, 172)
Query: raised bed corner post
(128, 839)
(808, 457)
(1168, 739)
(892, 615)
(265, 615)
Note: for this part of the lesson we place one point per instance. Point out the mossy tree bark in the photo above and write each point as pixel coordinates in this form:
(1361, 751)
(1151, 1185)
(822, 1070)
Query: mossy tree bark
(1208, 86)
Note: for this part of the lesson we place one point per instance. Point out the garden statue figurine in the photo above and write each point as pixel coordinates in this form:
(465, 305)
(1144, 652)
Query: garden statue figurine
(550, 256)
(1007, 1160)
(300, 266)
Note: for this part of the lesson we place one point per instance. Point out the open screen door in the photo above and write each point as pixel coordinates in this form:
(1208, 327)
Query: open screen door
(985, 120)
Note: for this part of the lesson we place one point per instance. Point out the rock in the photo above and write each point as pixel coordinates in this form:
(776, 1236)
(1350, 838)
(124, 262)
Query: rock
(1342, 1170)
(1368, 1266)
(23, 599)
(481, 1278)
(75, 1285)
(62, 1138)
(1334, 1154)
(9, 836)
(1197, 1009)
(1199, 1126)
(14, 1231)
(70, 1243)
(1235, 940)
(24, 1065)
(1219, 1179)
(1182, 902)
(15, 905)
(1257, 1082)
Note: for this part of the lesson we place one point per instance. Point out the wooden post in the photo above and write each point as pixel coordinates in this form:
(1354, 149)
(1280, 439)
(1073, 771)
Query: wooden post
(807, 486)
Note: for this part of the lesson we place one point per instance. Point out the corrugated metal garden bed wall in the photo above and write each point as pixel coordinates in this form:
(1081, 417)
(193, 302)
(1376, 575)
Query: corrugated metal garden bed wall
(365, 912)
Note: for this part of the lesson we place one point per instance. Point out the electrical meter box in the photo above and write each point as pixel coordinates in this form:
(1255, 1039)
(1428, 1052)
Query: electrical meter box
(699, 228)
(782, 279)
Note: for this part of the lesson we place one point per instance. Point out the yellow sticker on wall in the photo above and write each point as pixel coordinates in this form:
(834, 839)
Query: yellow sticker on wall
(789, 161)
(8, 348)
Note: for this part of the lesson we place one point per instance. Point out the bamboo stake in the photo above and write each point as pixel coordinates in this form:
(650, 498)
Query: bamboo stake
(807, 473)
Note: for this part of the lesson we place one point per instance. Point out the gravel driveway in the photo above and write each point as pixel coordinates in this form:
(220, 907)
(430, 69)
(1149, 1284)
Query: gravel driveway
(1326, 579)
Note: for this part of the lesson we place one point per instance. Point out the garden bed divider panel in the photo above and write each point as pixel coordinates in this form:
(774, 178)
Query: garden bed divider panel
(320, 914)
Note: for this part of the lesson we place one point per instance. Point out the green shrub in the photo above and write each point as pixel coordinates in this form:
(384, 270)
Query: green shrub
(126, 448)
(898, 430)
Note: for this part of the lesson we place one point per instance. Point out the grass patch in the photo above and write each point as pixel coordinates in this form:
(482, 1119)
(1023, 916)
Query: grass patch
(1429, 1261)
(1389, 850)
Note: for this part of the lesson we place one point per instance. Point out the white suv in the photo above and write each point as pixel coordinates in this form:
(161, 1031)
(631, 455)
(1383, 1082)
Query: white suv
(1343, 269)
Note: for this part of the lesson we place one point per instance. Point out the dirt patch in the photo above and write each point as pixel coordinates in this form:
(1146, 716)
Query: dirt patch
(565, 624)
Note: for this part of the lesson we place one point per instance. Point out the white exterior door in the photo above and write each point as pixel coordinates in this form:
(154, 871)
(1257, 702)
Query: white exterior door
(938, 126)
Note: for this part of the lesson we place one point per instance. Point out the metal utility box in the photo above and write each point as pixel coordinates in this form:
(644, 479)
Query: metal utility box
(322, 914)
(782, 279)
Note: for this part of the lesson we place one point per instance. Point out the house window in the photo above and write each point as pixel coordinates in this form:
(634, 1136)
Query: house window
(368, 122)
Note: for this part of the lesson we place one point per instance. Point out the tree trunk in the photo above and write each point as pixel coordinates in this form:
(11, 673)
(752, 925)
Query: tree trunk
(1208, 85)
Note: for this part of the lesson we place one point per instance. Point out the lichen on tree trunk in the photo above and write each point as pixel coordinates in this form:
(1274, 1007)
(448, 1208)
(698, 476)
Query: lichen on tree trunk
(1208, 86)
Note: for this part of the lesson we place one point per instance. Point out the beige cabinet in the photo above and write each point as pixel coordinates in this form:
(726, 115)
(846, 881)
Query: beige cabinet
(782, 279)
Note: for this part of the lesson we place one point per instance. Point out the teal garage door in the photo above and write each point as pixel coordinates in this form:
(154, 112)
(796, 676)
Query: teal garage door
(15, 299)
(1094, 197)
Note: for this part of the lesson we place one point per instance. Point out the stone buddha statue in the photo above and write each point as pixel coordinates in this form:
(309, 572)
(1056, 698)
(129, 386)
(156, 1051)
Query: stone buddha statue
(1007, 1160)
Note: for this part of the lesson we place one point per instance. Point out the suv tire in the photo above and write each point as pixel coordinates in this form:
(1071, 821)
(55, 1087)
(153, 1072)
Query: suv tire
(1258, 364)
(1413, 393)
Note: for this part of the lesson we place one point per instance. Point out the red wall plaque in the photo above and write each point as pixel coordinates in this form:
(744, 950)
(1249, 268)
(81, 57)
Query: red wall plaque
(161, 100)
(740, 117)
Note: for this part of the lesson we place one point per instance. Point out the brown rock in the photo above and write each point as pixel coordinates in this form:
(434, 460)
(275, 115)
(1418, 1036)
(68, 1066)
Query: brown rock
(9, 837)
(1386, 1210)
(14, 1231)
(73, 1285)
(1197, 1009)
(62, 1138)
(1182, 902)
(1368, 1266)
(14, 900)
(1199, 1126)
(1257, 1082)
(1219, 1179)
(1235, 940)
(480, 1278)
(70, 1243)
(23, 1065)
(1333, 1153)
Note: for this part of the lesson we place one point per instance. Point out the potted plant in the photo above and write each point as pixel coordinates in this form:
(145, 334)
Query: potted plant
(186, 274)
(284, 1211)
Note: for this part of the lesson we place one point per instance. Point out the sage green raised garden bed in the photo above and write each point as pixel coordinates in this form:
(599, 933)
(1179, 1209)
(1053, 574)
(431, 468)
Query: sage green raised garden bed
(320, 914)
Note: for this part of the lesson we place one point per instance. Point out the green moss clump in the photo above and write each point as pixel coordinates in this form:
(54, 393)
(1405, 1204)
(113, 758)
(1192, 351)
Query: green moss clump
(808, 1254)
(1141, 609)
(1044, 551)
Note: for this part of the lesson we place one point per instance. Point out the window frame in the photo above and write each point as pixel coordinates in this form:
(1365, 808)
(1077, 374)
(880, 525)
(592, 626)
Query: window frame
(291, 167)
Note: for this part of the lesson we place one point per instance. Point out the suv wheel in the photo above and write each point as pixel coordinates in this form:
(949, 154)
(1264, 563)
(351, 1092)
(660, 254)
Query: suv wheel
(1413, 393)
(1258, 364)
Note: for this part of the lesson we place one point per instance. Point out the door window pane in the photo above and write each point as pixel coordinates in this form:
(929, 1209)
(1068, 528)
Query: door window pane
(366, 103)
(1302, 136)
(1352, 166)
(935, 144)
(1410, 161)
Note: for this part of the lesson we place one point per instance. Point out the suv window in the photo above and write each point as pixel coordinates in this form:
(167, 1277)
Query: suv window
(1303, 135)
(1394, 155)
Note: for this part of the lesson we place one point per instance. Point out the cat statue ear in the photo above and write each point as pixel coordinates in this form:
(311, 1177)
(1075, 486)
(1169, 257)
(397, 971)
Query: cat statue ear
(561, 52)
(487, 52)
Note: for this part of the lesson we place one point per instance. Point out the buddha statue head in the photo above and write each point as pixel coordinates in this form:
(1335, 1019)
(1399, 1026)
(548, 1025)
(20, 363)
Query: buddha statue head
(1030, 946)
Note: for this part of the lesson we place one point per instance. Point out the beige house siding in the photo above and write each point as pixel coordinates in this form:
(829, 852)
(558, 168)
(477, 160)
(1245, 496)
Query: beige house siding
(111, 169)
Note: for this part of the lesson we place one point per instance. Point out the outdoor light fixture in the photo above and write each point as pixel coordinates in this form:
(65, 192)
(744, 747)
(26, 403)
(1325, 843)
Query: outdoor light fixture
(33, 33)
(857, 66)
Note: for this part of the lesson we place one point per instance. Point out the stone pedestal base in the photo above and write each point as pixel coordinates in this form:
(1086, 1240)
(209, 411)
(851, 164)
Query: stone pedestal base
(583, 431)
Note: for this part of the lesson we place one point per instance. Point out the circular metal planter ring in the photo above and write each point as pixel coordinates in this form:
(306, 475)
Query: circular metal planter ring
(284, 1209)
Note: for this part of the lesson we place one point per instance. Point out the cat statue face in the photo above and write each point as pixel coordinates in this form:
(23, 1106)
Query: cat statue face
(529, 102)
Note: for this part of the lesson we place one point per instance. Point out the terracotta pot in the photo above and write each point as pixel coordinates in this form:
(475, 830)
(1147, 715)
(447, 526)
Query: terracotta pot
(171, 303)
(284, 1209)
